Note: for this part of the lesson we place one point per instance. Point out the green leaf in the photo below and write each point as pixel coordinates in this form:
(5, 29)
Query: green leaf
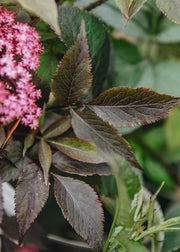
(160, 227)
(172, 239)
(28, 142)
(73, 76)
(129, 7)
(1, 202)
(78, 149)
(30, 197)
(58, 127)
(168, 32)
(127, 107)
(2, 136)
(162, 77)
(66, 164)
(172, 132)
(89, 127)
(170, 8)
(47, 10)
(45, 158)
(99, 46)
(81, 207)
(48, 64)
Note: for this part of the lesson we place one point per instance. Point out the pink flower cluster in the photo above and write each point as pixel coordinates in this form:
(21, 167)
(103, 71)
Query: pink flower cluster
(19, 53)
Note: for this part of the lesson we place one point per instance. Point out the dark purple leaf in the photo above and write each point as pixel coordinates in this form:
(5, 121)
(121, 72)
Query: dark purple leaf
(108, 140)
(73, 77)
(128, 107)
(81, 207)
(45, 158)
(2, 136)
(30, 197)
(69, 165)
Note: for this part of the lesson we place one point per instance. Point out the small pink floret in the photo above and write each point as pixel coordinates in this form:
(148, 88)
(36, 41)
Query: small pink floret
(19, 53)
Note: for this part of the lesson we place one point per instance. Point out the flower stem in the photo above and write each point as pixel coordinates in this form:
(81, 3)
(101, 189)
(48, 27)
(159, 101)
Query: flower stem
(10, 133)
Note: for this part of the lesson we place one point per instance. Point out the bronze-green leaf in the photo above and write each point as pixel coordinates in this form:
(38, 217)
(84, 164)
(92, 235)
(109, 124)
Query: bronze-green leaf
(108, 140)
(129, 7)
(81, 207)
(58, 127)
(78, 149)
(30, 197)
(69, 165)
(73, 77)
(45, 158)
(129, 107)
(171, 8)
(1, 201)
(28, 142)
(2, 136)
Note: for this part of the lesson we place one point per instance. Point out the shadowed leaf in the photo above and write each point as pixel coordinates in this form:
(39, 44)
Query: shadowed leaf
(2, 136)
(129, 7)
(45, 158)
(46, 9)
(128, 107)
(78, 149)
(98, 40)
(31, 195)
(58, 127)
(69, 165)
(73, 77)
(171, 8)
(81, 207)
(28, 142)
(90, 127)
(1, 201)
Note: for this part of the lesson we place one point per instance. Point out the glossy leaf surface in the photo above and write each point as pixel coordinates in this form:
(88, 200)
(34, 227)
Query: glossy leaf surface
(69, 165)
(30, 198)
(81, 207)
(73, 76)
(47, 10)
(45, 157)
(128, 107)
(171, 8)
(78, 149)
(58, 127)
(90, 127)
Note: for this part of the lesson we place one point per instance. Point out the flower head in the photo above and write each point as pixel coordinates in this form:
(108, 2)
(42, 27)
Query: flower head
(19, 53)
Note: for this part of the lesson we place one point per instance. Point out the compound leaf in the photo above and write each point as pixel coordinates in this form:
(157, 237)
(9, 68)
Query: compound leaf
(45, 157)
(69, 165)
(171, 8)
(30, 197)
(91, 128)
(78, 149)
(128, 107)
(81, 207)
(73, 77)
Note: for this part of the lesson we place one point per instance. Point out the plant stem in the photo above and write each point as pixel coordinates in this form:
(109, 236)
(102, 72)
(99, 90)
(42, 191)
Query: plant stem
(116, 176)
(10, 133)
(93, 5)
